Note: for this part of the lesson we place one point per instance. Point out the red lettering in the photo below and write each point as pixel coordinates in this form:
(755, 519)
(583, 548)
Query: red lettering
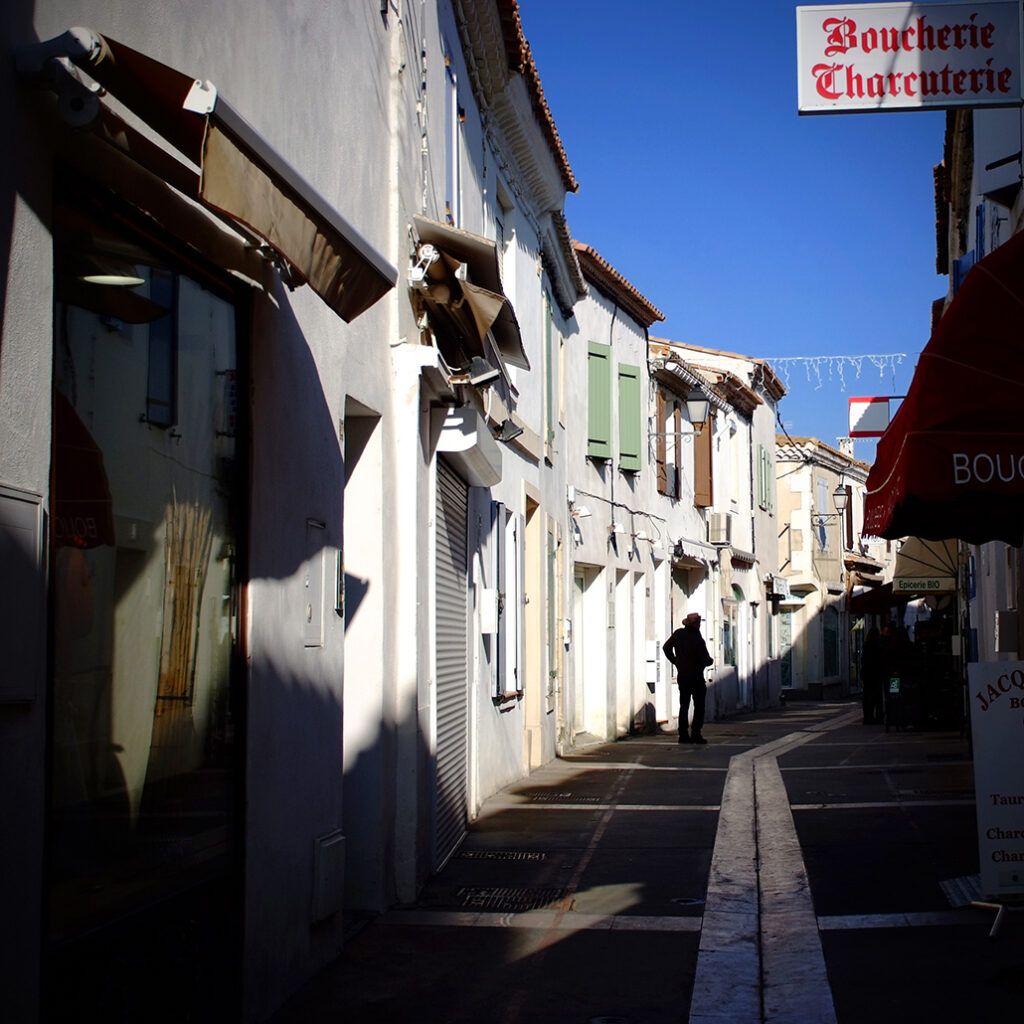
(842, 35)
(890, 39)
(925, 36)
(825, 80)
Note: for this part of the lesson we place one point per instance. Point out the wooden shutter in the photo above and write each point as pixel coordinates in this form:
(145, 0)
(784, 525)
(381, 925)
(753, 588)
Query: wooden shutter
(848, 518)
(599, 401)
(630, 440)
(703, 493)
(662, 444)
(677, 446)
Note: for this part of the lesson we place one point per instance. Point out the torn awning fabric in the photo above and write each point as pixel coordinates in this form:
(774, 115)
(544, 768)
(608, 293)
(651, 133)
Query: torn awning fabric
(951, 463)
(241, 177)
(471, 302)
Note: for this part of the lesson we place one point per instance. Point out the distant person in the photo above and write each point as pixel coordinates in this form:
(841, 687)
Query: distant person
(686, 650)
(872, 677)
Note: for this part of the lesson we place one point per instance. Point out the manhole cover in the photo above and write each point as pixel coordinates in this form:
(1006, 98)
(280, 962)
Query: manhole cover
(511, 899)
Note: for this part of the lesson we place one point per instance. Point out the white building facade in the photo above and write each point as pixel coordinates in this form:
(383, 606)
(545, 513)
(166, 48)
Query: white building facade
(734, 473)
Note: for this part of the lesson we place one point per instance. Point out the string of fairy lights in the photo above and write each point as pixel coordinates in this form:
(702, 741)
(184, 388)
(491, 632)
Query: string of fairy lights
(822, 370)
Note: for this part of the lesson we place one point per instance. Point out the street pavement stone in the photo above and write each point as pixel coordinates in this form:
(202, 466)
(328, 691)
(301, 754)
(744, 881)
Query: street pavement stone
(589, 891)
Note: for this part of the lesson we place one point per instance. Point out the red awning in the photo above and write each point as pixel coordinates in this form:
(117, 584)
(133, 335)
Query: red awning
(951, 463)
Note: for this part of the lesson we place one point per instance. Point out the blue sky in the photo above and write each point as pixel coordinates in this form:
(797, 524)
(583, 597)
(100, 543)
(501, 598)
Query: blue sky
(753, 229)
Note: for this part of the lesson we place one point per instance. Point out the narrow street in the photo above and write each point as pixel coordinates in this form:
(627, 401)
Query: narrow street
(795, 869)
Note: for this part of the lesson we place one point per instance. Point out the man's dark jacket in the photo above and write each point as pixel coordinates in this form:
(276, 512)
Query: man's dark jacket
(686, 649)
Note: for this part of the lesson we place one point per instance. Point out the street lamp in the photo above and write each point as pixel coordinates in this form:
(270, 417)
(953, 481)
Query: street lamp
(697, 403)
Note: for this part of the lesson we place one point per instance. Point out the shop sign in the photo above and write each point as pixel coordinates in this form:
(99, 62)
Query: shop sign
(868, 416)
(908, 56)
(997, 730)
(923, 584)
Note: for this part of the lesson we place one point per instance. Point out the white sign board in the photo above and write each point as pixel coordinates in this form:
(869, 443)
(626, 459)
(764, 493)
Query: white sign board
(868, 416)
(997, 729)
(908, 56)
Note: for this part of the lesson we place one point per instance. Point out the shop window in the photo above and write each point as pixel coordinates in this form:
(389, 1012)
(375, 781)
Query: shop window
(143, 579)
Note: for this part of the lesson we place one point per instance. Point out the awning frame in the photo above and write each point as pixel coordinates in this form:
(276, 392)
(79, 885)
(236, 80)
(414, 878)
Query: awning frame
(241, 176)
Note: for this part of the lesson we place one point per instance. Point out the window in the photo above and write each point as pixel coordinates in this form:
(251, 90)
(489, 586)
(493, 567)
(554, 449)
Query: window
(669, 445)
(549, 378)
(630, 433)
(821, 508)
(143, 752)
(599, 401)
(453, 116)
(765, 477)
(729, 620)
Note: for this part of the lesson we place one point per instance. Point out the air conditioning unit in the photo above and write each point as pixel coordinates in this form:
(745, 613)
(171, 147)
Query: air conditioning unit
(720, 528)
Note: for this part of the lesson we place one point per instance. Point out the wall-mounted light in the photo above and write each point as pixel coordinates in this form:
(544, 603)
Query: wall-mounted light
(581, 513)
(615, 528)
(697, 403)
(106, 271)
(642, 535)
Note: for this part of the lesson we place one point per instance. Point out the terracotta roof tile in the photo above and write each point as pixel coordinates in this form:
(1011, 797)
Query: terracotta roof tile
(521, 61)
(608, 279)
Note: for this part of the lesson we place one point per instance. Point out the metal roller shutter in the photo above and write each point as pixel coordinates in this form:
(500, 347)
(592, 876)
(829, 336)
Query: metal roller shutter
(452, 658)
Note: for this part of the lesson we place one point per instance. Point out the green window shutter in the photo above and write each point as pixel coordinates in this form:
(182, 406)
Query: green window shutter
(599, 401)
(629, 418)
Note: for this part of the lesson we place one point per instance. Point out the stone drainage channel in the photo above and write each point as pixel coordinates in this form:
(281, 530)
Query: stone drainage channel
(760, 956)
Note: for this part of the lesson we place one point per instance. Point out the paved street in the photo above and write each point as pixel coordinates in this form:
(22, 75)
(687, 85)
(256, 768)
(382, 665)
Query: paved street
(802, 867)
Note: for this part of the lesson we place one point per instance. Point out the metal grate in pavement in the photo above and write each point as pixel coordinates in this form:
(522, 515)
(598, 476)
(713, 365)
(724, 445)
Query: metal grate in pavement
(501, 855)
(962, 892)
(510, 899)
(568, 798)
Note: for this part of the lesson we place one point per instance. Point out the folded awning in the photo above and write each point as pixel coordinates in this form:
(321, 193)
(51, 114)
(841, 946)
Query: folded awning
(464, 295)
(241, 176)
(926, 567)
(951, 463)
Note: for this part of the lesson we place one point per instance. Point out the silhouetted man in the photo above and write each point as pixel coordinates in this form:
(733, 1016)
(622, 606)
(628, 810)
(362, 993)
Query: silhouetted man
(686, 649)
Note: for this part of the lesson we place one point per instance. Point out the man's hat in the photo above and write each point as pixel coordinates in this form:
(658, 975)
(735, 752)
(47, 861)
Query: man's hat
(692, 617)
